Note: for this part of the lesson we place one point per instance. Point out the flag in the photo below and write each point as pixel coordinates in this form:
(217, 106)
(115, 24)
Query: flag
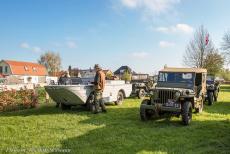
(207, 39)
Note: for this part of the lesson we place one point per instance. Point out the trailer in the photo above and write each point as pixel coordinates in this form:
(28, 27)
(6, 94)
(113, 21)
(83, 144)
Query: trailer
(83, 93)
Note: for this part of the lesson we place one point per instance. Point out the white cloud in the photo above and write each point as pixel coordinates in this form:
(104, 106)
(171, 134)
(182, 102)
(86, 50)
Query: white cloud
(153, 6)
(166, 44)
(179, 28)
(24, 45)
(140, 55)
(36, 49)
(71, 44)
(130, 3)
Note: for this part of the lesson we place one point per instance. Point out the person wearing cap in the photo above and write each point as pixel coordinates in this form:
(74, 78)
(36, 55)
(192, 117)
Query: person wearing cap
(99, 86)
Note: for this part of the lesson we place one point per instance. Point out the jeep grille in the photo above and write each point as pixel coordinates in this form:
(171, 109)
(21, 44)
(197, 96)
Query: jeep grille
(164, 95)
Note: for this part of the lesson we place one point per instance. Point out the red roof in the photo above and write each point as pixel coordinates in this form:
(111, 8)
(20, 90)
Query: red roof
(26, 68)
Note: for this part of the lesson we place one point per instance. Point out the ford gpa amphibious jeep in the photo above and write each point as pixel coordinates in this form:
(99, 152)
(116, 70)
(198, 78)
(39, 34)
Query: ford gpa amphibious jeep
(178, 91)
(213, 88)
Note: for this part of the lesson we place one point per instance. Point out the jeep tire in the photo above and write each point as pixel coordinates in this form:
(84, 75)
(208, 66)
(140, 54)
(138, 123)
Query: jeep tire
(145, 114)
(210, 98)
(120, 98)
(186, 113)
(215, 95)
(90, 106)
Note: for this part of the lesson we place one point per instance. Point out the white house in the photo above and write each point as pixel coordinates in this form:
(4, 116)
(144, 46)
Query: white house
(17, 72)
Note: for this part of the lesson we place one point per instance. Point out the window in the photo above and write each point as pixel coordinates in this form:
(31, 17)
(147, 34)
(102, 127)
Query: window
(6, 69)
(176, 77)
(1, 69)
(26, 68)
(34, 69)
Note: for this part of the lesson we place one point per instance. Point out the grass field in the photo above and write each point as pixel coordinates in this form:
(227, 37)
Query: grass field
(51, 130)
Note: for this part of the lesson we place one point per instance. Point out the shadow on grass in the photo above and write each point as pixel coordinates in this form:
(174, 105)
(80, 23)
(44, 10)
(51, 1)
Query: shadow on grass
(225, 88)
(48, 109)
(122, 131)
(218, 108)
(43, 109)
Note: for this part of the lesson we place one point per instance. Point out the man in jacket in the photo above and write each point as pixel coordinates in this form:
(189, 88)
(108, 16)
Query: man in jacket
(99, 86)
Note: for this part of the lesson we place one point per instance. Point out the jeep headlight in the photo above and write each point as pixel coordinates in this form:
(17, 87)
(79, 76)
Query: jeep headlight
(187, 92)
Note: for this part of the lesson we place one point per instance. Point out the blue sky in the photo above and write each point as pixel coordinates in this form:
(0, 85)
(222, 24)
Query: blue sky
(144, 34)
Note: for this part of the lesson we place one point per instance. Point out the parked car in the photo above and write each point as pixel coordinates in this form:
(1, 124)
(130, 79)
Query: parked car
(178, 92)
(213, 88)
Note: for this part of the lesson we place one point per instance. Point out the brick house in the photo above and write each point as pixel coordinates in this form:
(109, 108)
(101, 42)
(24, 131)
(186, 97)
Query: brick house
(18, 72)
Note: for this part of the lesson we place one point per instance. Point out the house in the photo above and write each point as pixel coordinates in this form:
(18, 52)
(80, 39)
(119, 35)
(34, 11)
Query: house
(87, 73)
(119, 72)
(134, 76)
(18, 72)
(90, 73)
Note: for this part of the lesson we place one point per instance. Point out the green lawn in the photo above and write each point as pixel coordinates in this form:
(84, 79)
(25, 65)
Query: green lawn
(118, 131)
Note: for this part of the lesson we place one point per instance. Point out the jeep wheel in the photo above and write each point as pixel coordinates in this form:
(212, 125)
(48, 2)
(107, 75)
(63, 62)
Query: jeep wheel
(145, 114)
(120, 98)
(210, 98)
(141, 94)
(65, 107)
(90, 103)
(215, 95)
(186, 113)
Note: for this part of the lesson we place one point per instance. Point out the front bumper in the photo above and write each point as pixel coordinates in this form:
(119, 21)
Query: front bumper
(160, 107)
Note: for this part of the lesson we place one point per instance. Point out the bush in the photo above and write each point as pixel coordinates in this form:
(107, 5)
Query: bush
(41, 94)
(16, 100)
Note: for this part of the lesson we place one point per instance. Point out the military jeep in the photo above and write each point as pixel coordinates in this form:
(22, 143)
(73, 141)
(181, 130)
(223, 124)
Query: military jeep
(213, 88)
(178, 92)
(142, 87)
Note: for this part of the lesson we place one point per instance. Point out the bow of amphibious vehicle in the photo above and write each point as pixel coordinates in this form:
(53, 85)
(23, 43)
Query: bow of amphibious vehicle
(69, 94)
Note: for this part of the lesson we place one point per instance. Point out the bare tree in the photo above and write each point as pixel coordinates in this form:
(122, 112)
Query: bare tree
(52, 62)
(226, 46)
(226, 42)
(198, 48)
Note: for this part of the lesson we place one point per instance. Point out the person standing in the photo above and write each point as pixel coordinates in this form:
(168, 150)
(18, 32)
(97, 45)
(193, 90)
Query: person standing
(99, 86)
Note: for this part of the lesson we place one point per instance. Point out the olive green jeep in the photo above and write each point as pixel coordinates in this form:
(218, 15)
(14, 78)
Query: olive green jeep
(178, 92)
(213, 89)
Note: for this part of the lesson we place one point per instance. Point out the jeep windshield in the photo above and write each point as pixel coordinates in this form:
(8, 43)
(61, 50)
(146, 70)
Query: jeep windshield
(176, 80)
(210, 80)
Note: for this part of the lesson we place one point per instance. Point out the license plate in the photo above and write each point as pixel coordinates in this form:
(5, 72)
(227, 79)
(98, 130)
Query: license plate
(170, 103)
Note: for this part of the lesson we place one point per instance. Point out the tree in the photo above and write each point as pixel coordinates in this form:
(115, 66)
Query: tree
(226, 46)
(52, 62)
(127, 76)
(198, 49)
(213, 62)
(225, 74)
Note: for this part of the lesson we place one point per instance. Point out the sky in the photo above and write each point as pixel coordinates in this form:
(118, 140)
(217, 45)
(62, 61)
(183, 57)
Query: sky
(143, 34)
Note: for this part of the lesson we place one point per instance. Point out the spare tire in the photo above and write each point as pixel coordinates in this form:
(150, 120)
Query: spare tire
(141, 94)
